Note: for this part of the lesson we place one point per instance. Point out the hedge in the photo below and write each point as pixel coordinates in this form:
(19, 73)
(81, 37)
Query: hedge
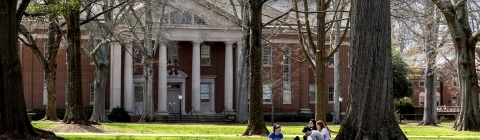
(40, 113)
(295, 117)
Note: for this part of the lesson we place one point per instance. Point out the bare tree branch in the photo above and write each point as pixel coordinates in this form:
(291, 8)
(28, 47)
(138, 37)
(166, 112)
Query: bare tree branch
(32, 45)
(338, 45)
(459, 3)
(21, 10)
(274, 19)
(475, 37)
(101, 13)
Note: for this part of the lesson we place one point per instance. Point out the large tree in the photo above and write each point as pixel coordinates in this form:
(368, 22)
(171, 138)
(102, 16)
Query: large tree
(256, 123)
(464, 41)
(370, 113)
(14, 123)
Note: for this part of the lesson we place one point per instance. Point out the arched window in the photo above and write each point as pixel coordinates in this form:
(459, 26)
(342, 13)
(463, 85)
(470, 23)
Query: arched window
(178, 17)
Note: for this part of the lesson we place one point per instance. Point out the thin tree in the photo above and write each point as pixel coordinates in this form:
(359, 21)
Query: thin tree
(370, 113)
(464, 41)
(317, 53)
(14, 123)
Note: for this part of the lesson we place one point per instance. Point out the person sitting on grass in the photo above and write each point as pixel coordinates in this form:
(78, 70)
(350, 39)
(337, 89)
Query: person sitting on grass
(324, 129)
(276, 134)
(313, 135)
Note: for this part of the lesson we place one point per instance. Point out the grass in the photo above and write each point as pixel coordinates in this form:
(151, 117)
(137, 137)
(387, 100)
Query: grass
(411, 130)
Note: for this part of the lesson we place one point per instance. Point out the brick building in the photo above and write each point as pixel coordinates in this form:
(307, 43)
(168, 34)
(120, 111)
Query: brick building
(198, 59)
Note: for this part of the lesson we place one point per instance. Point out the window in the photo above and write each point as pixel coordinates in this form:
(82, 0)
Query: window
(92, 47)
(421, 83)
(267, 94)
(422, 101)
(66, 93)
(311, 93)
(454, 84)
(204, 92)
(137, 57)
(267, 56)
(92, 93)
(172, 54)
(138, 91)
(454, 101)
(437, 84)
(331, 90)
(45, 50)
(186, 18)
(205, 54)
(286, 69)
(331, 62)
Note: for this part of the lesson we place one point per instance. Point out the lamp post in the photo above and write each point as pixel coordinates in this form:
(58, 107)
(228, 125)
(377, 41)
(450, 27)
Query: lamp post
(400, 110)
(340, 99)
(180, 97)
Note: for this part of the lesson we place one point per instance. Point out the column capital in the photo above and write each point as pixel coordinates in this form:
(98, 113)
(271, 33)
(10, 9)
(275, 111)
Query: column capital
(229, 43)
(194, 42)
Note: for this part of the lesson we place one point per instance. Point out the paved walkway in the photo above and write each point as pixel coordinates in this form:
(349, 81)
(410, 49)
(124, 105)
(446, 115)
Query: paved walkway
(225, 135)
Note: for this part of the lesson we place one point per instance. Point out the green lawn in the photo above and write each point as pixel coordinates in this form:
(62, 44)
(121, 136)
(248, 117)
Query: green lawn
(209, 131)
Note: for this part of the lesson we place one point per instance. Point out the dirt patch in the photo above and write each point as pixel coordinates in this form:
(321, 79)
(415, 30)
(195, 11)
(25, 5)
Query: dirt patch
(74, 128)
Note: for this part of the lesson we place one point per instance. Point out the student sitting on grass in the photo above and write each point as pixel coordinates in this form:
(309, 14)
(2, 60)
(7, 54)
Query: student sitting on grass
(276, 134)
(314, 135)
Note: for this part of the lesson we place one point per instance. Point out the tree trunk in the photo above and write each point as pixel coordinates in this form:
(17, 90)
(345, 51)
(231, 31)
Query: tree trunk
(74, 113)
(256, 123)
(98, 114)
(148, 113)
(242, 101)
(464, 42)
(430, 108)
(14, 123)
(337, 74)
(148, 71)
(370, 113)
(320, 59)
(54, 37)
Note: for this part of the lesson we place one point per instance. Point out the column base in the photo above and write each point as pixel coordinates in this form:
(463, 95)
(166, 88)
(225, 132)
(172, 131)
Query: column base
(229, 112)
(161, 113)
(305, 110)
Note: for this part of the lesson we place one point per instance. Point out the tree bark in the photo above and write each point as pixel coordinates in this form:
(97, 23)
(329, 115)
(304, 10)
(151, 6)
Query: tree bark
(242, 101)
(370, 113)
(74, 113)
(256, 123)
(14, 123)
(464, 42)
(337, 74)
(54, 37)
(98, 114)
(148, 71)
(430, 29)
(320, 60)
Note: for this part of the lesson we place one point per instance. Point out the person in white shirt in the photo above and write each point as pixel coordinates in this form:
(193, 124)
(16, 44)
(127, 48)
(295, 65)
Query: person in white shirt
(323, 128)
(313, 135)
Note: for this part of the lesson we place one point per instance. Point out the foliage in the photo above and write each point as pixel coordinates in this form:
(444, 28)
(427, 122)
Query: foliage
(118, 114)
(299, 117)
(406, 106)
(401, 85)
(40, 113)
(55, 9)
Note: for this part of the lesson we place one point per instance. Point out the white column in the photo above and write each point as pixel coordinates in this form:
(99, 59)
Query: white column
(196, 76)
(228, 76)
(239, 69)
(183, 95)
(115, 75)
(162, 80)
(128, 81)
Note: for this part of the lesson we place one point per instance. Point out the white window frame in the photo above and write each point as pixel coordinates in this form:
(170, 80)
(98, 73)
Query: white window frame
(331, 92)
(135, 56)
(287, 76)
(311, 92)
(331, 62)
(267, 94)
(172, 54)
(437, 84)
(193, 18)
(205, 58)
(421, 83)
(139, 83)
(92, 93)
(267, 56)
(208, 92)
